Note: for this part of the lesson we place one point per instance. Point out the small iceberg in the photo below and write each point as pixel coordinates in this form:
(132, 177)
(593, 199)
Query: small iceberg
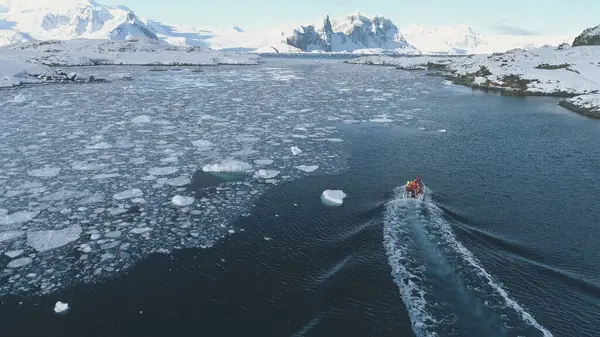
(61, 308)
(333, 197)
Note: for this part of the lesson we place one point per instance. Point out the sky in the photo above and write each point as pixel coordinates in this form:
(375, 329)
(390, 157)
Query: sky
(515, 17)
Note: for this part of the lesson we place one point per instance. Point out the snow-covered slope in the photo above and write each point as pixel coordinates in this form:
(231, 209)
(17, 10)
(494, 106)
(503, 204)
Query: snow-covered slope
(69, 19)
(353, 33)
(133, 51)
(589, 37)
(462, 39)
(25, 20)
(562, 71)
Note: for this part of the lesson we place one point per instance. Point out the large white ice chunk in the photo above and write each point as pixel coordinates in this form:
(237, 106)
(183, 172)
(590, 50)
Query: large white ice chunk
(179, 200)
(19, 262)
(132, 193)
(295, 150)
(61, 308)
(44, 172)
(10, 235)
(162, 171)
(307, 168)
(266, 174)
(17, 217)
(333, 197)
(228, 166)
(51, 239)
(14, 253)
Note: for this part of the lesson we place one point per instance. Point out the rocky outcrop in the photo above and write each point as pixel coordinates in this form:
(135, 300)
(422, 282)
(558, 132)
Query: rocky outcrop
(589, 37)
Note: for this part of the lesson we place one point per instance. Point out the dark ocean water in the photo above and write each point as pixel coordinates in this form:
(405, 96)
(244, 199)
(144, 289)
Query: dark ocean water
(506, 243)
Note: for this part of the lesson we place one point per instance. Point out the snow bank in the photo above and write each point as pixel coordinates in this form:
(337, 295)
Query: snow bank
(333, 197)
(547, 71)
(15, 72)
(136, 51)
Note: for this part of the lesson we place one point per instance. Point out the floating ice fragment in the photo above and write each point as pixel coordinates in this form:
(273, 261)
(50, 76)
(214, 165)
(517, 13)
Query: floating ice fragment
(307, 168)
(44, 172)
(228, 166)
(19, 262)
(179, 181)
(20, 98)
(295, 150)
(61, 308)
(141, 119)
(266, 174)
(263, 162)
(202, 143)
(100, 146)
(132, 193)
(162, 171)
(10, 235)
(51, 239)
(17, 217)
(141, 230)
(14, 253)
(179, 200)
(333, 197)
(442, 130)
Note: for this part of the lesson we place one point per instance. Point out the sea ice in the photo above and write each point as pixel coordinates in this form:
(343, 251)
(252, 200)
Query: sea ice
(333, 197)
(128, 194)
(51, 239)
(61, 308)
(202, 143)
(442, 130)
(162, 171)
(178, 181)
(10, 235)
(44, 172)
(266, 174)
(100, 146)
(307, 168)
(17, 217)
(141, 119)
(295, 150)
(14, 253)
(263, 162)
(228, 166)
(179, 200)
(20, 98)
(19, 262)
(141, 230)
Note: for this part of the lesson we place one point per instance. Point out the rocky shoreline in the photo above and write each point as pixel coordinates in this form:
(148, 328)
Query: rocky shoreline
(567, 72)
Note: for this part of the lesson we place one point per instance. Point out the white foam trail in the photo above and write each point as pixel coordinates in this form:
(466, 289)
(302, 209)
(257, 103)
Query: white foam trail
(450, 238)
(397, 248)
(397, 242)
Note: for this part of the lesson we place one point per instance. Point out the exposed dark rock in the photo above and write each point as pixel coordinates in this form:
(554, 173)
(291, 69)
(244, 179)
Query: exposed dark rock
(589, 37)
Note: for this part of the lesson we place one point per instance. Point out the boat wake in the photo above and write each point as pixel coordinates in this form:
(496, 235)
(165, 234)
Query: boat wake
(445, 289)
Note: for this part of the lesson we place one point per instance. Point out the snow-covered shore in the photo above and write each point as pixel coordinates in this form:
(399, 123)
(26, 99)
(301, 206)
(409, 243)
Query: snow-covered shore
(28, 62)
(563, 71)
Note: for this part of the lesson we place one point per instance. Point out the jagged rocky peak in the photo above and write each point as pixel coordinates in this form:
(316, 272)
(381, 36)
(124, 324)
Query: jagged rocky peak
(589, 37)
(352, 32)
(67, 19)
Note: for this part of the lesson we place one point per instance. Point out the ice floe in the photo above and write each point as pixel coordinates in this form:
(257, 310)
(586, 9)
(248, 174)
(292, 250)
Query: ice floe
(51, 239)
(128, 194)
(61, 308)
(179, 200)
(266, 174)
(307, 168)
(295, 150)
(18, 263)
(333, 197)
(228, 166)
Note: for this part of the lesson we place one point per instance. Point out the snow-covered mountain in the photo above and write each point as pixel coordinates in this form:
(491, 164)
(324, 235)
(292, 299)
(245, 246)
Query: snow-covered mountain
(69, 19)
(462, 39)
(354, 32)
(589, 37)
(26, 20)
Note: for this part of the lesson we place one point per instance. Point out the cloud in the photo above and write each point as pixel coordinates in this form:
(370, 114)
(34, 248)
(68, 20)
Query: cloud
(508, 29)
